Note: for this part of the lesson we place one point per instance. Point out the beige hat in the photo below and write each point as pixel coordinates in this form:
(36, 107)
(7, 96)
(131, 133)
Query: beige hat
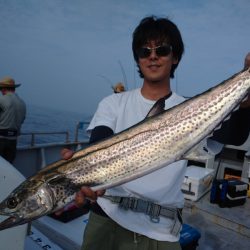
(8, 82)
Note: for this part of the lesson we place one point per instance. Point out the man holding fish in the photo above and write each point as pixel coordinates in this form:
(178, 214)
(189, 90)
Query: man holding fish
(145, 213)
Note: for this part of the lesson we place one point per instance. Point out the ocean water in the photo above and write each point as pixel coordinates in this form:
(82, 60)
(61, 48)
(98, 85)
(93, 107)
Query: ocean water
(47, 120)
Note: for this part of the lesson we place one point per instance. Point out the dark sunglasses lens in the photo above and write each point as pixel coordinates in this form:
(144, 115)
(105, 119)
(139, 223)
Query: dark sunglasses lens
(163, 50)
(144, 52)
(160, 51)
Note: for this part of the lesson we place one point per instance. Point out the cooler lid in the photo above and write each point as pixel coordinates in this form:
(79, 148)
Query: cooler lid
(198, 173)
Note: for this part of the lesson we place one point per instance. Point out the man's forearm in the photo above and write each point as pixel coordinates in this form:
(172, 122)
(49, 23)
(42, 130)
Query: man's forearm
(99, 133)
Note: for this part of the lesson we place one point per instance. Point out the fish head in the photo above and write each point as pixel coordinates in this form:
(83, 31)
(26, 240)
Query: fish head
(27, 202)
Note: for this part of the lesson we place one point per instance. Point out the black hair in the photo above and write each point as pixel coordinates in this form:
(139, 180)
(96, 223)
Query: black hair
(161, 30)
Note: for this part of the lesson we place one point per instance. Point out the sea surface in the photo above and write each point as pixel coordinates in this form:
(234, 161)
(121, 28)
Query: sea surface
(48, 120)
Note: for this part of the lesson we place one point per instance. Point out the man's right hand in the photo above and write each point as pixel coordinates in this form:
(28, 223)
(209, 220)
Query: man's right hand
(66, 154)
(85, 192)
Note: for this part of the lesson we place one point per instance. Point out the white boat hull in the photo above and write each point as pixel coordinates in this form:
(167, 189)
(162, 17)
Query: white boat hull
(12, 238)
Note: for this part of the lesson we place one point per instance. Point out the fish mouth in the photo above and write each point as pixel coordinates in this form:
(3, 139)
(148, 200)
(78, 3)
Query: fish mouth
(11, 222)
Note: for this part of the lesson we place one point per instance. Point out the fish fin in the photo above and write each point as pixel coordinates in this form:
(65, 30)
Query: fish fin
(64, 180)
(157, 108)
(199, 153)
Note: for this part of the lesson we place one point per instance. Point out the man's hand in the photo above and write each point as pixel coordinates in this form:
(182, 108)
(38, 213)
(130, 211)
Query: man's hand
(85, 192)
(66, 154)
(88, 193)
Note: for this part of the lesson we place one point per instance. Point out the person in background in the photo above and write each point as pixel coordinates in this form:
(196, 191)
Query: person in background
(157, 48)
(12, 115)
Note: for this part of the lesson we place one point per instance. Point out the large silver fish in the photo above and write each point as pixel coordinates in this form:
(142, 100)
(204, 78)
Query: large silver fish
(151, 144)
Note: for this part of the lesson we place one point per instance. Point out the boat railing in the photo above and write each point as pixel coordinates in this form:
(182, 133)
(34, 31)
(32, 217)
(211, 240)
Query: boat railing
(34, 134)
(80, 126)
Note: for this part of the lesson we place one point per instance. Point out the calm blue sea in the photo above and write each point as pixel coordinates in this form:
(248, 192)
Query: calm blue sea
(41, 119)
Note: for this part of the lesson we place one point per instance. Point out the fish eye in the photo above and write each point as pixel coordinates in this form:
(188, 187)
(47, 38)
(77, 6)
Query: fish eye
(12, 202)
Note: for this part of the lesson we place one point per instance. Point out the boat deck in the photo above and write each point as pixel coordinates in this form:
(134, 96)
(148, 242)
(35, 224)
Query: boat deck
(220, 228)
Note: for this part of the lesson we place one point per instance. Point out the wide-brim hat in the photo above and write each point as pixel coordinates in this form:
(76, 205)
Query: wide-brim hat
(8, 82)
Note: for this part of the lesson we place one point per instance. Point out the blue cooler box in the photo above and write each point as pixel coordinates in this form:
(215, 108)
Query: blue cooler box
(189, 237)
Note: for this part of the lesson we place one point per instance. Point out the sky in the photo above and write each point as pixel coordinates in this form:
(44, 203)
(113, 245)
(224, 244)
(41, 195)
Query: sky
(68, 53)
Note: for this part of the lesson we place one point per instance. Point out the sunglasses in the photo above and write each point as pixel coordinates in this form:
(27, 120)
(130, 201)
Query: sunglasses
(163, 50)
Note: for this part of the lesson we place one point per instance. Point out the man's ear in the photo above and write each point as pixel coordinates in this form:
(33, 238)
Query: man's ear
(175, 60)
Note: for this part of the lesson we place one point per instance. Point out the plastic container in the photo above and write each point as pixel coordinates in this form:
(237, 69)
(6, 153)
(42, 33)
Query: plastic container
(197, 182)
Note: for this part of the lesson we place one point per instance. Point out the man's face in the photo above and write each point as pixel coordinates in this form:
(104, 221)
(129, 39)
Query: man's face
(156, 68)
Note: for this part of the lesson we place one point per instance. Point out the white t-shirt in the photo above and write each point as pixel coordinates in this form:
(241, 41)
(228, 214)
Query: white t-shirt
(121, 111)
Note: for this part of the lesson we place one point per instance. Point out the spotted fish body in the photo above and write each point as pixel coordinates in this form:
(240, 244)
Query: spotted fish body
(149, 145)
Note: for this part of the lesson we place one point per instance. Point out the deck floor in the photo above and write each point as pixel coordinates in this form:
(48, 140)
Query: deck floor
(220, 228)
